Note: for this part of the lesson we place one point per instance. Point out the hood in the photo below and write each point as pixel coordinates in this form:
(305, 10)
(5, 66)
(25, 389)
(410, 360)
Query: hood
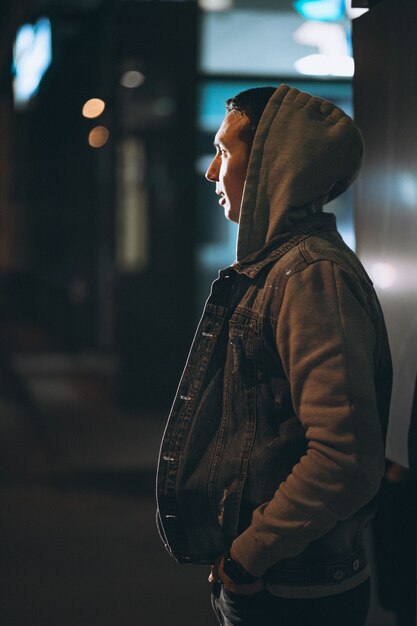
(306, 152)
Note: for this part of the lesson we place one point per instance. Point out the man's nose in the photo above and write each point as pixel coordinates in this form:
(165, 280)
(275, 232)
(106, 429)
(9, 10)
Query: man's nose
(212, 173)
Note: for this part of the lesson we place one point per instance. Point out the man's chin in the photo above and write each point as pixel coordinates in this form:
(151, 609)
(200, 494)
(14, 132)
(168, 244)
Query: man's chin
(231, 215)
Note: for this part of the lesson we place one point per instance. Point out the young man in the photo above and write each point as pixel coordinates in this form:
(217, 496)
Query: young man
(274, 448)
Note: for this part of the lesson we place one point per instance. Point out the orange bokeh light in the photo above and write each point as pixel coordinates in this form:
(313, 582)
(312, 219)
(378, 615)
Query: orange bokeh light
(93, 108)
(98, 136)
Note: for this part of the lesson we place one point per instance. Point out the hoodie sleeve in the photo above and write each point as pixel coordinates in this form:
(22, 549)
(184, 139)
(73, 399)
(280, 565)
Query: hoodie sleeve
(326, 340)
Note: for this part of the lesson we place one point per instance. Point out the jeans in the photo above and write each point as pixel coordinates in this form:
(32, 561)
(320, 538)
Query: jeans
(264, 609)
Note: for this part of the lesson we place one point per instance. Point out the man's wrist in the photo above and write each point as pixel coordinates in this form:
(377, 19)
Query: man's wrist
(236, 572)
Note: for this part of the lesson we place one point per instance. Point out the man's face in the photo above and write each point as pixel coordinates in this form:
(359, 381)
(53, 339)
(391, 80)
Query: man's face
(229, 166)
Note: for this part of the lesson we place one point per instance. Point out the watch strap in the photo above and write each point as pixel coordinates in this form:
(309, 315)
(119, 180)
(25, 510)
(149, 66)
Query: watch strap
(236, 572)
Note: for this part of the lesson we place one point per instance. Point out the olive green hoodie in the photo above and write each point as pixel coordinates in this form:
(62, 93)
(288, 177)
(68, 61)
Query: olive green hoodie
(306, 152)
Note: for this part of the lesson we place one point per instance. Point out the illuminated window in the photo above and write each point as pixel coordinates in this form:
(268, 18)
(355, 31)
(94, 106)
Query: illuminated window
(32, 56)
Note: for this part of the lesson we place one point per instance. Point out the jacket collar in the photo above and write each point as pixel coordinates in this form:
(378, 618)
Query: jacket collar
(253, 264)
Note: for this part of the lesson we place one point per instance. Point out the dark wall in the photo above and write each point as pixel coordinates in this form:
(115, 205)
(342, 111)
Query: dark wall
(110, 231)
(385, 93)
(56, 182)
(155, 295)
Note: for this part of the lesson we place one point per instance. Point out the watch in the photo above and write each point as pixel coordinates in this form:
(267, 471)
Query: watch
(236, 572)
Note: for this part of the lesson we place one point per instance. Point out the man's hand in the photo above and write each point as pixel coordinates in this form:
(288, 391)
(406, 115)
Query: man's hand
(217, 573)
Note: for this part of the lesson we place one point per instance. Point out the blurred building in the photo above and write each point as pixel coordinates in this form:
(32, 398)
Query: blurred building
(112, 236)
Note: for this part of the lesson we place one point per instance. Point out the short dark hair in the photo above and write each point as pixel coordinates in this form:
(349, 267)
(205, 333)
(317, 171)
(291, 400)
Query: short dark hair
(252, 103)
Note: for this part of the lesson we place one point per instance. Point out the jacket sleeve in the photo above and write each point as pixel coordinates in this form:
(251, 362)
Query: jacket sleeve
(326, 340)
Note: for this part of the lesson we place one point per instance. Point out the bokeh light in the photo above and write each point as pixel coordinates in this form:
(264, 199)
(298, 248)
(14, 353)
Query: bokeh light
(93, 108)
(98, 136)
(132, 79)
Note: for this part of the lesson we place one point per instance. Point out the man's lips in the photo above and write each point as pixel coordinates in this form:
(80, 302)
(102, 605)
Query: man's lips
(222, 200)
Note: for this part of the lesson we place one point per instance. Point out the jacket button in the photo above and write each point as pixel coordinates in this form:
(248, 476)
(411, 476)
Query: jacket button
(355, 565)
(338, 575)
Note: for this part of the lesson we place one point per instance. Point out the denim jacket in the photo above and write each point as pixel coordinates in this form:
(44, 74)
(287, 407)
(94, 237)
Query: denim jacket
(275, 441)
